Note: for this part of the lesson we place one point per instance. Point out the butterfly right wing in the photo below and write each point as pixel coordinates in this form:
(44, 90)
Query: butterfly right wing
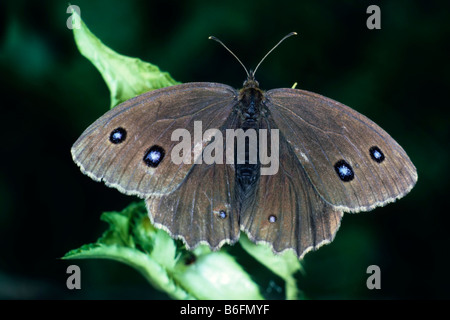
(148, 121)
(353, 163)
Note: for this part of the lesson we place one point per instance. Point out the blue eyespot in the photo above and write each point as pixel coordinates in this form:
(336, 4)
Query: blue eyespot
(376, 154)
(118, 135)
(272, 219)
(344, 171)
(222, 214)
(154, 156)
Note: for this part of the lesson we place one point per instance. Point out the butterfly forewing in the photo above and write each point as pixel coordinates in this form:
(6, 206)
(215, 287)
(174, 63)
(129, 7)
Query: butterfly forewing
(353, 164)
(129, 147)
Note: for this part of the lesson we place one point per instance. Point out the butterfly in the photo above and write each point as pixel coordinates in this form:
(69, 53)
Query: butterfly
(330, 160)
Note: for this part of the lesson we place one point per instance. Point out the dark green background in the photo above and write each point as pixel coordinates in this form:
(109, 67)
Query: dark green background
(398, 76)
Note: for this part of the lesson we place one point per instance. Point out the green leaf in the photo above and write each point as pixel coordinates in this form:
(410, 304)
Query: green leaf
(284, 265)
(216, 275)
(155, 242)
(149, 268)
(131, 239)
(120, 235)
(117, 243)
(126, 77)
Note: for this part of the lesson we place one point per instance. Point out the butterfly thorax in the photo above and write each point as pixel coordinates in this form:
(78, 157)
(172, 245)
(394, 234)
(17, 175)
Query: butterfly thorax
(250, 104)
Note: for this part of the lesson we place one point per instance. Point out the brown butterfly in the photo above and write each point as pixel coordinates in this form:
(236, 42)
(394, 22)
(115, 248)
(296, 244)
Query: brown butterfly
(331, 160)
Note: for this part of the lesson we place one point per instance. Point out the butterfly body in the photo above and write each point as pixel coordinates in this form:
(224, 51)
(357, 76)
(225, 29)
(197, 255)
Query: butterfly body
(250, 109)
(331, 160)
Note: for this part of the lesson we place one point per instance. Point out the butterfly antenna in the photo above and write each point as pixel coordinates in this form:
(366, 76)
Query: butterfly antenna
(215, 39)
(284, 38)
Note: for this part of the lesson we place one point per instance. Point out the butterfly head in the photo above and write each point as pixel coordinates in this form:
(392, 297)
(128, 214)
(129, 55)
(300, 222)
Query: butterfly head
(251, 81)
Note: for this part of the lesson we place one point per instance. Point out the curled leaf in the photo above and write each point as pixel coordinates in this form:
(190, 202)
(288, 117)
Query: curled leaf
(126, 77)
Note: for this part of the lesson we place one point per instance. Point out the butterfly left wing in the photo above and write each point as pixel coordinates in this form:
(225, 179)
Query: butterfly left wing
(287, 212)
(353, 163)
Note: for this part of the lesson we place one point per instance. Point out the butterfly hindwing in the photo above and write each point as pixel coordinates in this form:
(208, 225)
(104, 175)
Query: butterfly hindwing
(287, 212)
(202, 209)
